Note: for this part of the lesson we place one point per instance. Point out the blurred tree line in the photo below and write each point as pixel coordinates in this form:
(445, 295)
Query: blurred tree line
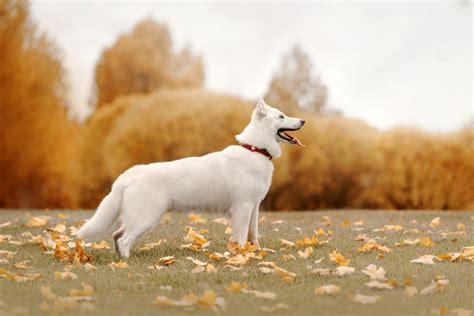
(144, 86)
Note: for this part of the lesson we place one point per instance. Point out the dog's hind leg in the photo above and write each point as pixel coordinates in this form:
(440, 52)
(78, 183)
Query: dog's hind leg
(117, 235)
(240, 219)
(141, 213)
(253, 227)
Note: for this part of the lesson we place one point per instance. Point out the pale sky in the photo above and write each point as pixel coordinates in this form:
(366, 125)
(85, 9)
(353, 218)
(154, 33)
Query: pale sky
(388, 63)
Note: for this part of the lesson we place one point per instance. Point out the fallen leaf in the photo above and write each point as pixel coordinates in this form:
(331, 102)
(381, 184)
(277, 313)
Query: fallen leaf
(375, 273)
(64, 275)
(327, 289)
(265, 295)
(425, 259)
(196, 261)
(287, 243)
(363, 299)
(306, 253)
(196, 218)
(435, 222)
(101, 245)
(338, 258)
(426, 242)
(378, 285)
(89, 267)
(37, 221)
(166, 261)
(118, 265)
(236, 287)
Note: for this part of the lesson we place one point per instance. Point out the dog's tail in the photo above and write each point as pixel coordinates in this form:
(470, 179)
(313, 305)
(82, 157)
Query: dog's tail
(105, 216)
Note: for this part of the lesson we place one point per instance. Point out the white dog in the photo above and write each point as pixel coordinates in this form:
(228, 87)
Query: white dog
(235, 179)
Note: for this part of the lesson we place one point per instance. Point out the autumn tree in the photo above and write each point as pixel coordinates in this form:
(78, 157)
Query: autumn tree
(143, 61)
(36, 138)
(296, 85)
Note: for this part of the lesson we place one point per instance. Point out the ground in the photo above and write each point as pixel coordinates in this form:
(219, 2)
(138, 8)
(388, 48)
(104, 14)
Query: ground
(132, 290)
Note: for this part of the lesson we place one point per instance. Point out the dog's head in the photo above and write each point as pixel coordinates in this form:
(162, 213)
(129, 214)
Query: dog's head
(277, 123)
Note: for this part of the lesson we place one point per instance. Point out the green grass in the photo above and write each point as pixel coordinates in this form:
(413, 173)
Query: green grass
(131, 291)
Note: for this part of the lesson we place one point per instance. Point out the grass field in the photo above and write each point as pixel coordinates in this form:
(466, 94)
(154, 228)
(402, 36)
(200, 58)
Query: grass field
(132, 290)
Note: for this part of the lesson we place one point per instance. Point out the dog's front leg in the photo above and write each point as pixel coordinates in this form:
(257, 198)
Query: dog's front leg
(240, 219)
(253, 227)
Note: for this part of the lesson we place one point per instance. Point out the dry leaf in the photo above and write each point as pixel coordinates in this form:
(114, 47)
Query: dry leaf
(89, 267)
(266, 295)
(166, 261)
(236, 287)
(363, 299)
(375, 273)
(426, 242)
(64, 275)
(338, 258)
(210, 268)
(435, 222)
(327, 289)
(287, 243)
(306, 253)
(196, 218)
(426, 259)
(196, 261)
(37, 221)
(101, 245)
(118, 265)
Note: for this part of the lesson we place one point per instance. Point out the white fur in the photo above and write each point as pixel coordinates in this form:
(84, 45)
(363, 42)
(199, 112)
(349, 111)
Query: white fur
(234, 180)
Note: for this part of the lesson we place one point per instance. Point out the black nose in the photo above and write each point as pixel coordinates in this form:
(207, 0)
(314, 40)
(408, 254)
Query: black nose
(302, 122)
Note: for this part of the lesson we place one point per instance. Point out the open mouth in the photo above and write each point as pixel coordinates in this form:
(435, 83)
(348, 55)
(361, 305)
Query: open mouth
(282, 133)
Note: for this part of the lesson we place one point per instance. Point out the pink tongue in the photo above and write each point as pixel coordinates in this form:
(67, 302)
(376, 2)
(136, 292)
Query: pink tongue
(299, 142)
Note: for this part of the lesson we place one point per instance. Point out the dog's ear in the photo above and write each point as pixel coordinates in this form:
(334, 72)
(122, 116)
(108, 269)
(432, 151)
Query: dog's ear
(261, 107)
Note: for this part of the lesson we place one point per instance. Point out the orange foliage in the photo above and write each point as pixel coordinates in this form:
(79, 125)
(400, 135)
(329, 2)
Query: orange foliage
(37, 142)
(143, 61)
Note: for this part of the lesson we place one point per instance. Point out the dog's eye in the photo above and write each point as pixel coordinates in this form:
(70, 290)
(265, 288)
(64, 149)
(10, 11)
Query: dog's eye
(281, 116)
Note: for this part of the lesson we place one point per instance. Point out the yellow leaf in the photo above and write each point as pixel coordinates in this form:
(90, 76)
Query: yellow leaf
(327, 289)
(345, 223)
(338, 258)
(236, 287)
(426, 242)
(210, 268)
(118, 265)
(195, 218)
(208, 299)
(306, 253)
(101, 245)
(64, 275)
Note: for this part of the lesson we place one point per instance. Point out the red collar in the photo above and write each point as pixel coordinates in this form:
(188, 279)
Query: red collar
(262, 151)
